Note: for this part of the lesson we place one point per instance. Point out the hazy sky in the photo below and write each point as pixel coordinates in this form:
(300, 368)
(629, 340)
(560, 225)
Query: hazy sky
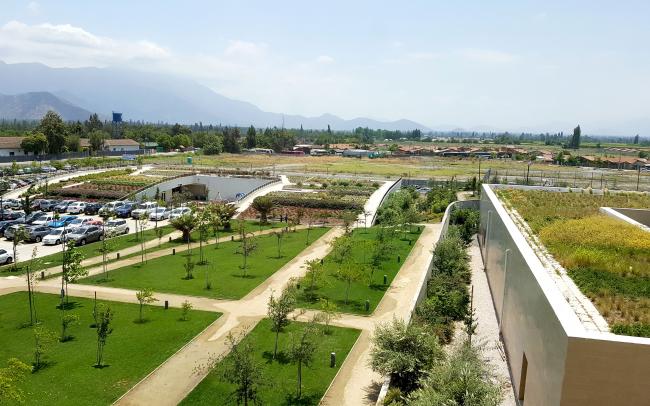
(508, 65)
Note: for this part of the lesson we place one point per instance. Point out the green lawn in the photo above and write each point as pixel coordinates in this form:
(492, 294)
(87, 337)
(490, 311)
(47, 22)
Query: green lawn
(166, 274)
(281, 376)
(69, 377)
(334, 289)
(125, 241)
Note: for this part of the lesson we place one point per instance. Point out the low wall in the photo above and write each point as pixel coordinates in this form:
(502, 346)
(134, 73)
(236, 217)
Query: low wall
(396, 186)
(229, 188)
(553, 360)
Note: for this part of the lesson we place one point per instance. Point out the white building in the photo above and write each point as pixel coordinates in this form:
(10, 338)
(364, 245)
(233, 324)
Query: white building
(10, 146)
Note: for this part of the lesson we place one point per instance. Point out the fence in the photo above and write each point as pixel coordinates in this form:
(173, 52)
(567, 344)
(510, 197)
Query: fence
(68, 155)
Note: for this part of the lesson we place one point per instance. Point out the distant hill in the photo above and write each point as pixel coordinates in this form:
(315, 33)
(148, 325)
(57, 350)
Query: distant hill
(155, 98)
(33, 105)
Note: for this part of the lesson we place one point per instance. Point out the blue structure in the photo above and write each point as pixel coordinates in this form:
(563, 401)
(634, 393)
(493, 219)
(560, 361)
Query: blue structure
(117, 117)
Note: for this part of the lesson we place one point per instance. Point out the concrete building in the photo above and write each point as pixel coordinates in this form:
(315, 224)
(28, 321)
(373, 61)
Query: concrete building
(10, 146)
(115, 145)
(557, 354)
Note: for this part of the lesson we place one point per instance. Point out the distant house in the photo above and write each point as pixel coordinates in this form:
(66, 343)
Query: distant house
(10, 146)
(357, 153)
(114, 145)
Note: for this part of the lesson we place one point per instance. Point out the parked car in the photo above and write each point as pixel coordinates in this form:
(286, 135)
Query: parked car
(56, 236)
(116, 227)
(109, 208)
(159, 214)
(125, 210)
(144, 209)
(178, 212)
(43, 220)
(76, 207)
(12, 215)
(5, 257)
(80, 222)
(36, 233)
(62, 207)
(61, 222)
(33, 216)
(11, 231)
(48, 169)
(48, 205)
(36, 204)
(5, 224)
(11, 204)
(84, 235)
(93, 208)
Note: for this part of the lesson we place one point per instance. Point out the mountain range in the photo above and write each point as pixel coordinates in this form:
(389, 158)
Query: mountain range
(34, 88)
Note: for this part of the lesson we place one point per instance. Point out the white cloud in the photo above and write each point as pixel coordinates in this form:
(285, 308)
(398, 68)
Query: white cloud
(245, 49)
(67, 45)
(486, 56)
(325, 59)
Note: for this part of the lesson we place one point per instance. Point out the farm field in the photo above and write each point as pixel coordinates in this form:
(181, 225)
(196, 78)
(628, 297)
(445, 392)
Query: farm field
(608, 259)
(371, 260)
(279, 374)
(223, 269)
(69, 377)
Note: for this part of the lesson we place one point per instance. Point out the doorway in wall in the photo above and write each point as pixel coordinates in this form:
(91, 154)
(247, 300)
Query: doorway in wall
(522, 379)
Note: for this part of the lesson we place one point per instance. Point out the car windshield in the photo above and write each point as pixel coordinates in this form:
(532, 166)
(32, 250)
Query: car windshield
(113, 224)
(56, 232)
(81, 230)
(160, 210)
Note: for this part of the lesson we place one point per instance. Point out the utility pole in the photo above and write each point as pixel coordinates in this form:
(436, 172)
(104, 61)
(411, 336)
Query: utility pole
(638, 176)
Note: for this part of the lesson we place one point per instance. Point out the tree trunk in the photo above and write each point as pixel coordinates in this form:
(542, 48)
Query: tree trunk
(275, 350)
(347, 291)
(299, 379)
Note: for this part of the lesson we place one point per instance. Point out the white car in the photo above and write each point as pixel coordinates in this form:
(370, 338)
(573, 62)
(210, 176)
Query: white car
(109, 208)
(5, 257)
(76, 207)
(56, 235)
(43, 220)
(178, 212)
(144, 209)
(116, 227)
(159, 214)
(80, 222)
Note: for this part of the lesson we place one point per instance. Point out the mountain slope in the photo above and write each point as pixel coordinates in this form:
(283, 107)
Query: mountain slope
(154, 97)
(32, 106)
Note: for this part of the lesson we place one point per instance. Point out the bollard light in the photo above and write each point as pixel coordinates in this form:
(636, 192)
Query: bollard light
(332, 359)
(166, 304)
(118, 255)
(367, 305)
(42, 275)
(385, 279)
(173, 251)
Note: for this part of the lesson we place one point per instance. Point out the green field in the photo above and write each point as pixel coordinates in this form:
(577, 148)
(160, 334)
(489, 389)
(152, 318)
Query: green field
(281, 375)
(333, 289)
(166, 274)
(69, 378)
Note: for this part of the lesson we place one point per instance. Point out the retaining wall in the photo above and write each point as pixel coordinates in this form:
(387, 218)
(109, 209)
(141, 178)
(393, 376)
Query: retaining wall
(553, 360)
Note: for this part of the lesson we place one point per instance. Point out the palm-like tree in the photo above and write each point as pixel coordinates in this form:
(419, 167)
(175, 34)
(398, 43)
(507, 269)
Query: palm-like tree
(264, 205)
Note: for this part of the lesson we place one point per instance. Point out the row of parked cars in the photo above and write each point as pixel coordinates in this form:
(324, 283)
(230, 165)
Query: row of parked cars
(120, 209)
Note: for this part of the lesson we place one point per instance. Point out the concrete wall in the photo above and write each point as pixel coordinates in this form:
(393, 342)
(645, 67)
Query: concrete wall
(13, 152)
(639, 215)
(566, 364)
(219, 187)
(396, 186)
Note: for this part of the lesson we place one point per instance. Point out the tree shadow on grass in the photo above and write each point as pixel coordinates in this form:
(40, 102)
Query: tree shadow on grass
(102, 280)
(42, 366)
(306, 399)
(378, 287)
(69, 305)
(101, 366)
(281, 357)
(247, 276)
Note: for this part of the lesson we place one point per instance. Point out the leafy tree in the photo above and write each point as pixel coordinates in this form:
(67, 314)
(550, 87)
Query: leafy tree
(349, 272)
(464, 378)
(239, 368)
(144, 296)
(35, 143)
(251, 135)
(302, 349)
(93, 123)
(279, 235)
(278, 310)
(575, 139)
(43, 339)
(53, 127)
(263, 205)
(67, 320)
(348, 218)
(73, 143)
(96, 140)
(186, 306)
(404, 351)
(19, 235)
(103, 328)
(328, 313)
(10, 378)
(73, 270)
(314, 272)
(189, 266)
(231, 138)
(31, 280)
(215, 221)
(185, 224)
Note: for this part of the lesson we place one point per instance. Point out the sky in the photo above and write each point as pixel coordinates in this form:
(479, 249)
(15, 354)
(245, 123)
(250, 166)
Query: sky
(503, 65)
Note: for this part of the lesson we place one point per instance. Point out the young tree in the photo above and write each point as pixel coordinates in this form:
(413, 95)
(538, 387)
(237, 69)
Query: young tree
(348, 218)
(328, 313)
(279, 235)
(263, 205)
(302, 349)
(73, 269)
(105, 248)
(203, 225)
(43, 339)
(144, 296)
(247, 245)
(314, 272)
(239, 368)
(67, 320)
(159, 233)
(103, 329)
(19, 235)
(278, 310)
(10, 378)
(215, 222)
(143, 221)
(404, 351)
(31, 280)
(349, 272)
(186, 307)
(189, 267)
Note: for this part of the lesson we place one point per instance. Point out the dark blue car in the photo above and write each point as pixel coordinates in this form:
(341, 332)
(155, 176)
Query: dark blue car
(125, 210)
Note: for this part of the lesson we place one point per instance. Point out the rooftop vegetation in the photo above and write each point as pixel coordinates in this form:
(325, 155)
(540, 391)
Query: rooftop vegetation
(607, 258)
